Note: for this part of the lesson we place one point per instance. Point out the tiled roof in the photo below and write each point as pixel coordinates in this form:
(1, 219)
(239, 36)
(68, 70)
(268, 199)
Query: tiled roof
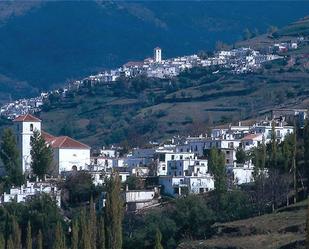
(47, 137)
(65, 142)
(27, 118)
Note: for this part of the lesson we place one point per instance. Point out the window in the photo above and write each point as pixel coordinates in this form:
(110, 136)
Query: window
(180, 173)
(31, 127)
(163, 168)
(181, 157)
(227, 152)
(173, 157)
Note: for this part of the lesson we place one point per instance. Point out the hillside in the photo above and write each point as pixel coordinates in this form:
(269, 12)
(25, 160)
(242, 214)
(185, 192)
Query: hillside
(45, 43)
(142, 109)
(283, 229)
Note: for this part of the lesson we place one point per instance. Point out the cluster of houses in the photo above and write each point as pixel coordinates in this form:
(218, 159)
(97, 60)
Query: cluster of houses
(19, 107)
(177, 167)
(240, 60)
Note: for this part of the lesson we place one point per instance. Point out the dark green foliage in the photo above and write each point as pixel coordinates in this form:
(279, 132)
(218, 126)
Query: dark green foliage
(75, 231)
(29, 237)
(79, 186)
(9, 155)
(40, 240)
(216, 164)
(101, 234)
(59, 238)
(41, 154)
(113, 213)
(135, 183)
(241, 156)
(158, 244)
(2, 241)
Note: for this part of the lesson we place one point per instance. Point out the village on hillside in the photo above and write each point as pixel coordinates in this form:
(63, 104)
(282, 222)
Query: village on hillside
(236, 61)
(177, 167)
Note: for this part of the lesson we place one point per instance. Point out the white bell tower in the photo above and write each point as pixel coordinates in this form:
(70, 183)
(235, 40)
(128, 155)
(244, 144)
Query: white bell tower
(157, 55)
(25, 125)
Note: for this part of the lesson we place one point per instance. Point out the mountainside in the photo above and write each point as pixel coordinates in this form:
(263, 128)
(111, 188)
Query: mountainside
(281, 230)
(142, 109)
(44, 43)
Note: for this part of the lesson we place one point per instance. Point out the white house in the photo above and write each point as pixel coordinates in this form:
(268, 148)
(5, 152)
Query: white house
(68, 153)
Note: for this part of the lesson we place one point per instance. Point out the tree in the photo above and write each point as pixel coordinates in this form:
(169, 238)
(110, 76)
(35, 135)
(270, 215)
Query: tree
(92, 224)
(216, 163)
(9, 155)
(59, 242)
(113, 212)
(29, 237)
(101, 234)
(16, 234)
(273, 156)
(158, 239)
(75, 230)
(41, 154)
(2, 241)
(306, 152)
(241, 156)
(10, 243)
(40, 240)
(85, 242)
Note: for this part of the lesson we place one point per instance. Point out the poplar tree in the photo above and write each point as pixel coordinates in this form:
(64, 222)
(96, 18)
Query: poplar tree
(16, 234)
(9, 155)
(10, 243)
(216, 163)
(41, 155)
(75, 230)
(84, 231)
(273, 146)
(158, 239)
(114, 213)
(59, 242)
(306, 152)
(40, 240)
(101, 234)
(294, 166)
(92, 224)
(29, 237)
(2, 241)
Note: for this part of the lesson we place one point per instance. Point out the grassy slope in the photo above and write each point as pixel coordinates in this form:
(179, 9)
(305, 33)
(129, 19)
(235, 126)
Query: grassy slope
(277, 230)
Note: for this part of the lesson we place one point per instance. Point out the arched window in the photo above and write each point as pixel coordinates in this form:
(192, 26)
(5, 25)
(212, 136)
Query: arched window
(31, 127)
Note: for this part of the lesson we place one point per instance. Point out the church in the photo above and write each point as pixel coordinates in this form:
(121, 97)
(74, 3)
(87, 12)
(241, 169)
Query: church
(68, 154)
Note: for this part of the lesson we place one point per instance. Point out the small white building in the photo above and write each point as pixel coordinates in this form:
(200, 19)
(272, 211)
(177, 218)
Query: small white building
(157, 55)
(31, 189)
(69, 154)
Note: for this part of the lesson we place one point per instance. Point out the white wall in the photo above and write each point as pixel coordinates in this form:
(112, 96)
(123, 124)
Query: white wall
(73, 157)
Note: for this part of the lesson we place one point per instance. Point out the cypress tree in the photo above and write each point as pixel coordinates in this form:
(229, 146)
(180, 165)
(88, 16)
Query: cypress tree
(2, 241)
(92, 224)
(294, 166)
(306, 152)
(101, 234)
(40, 240)
(158, 239)
(84, 230)
(29, 238)
(114, 213)
(9, 155)
(216, 164)
(273, 146)
(16, 234)
(41, 155)
(10, 243)
(75, 230)
(59, 242)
